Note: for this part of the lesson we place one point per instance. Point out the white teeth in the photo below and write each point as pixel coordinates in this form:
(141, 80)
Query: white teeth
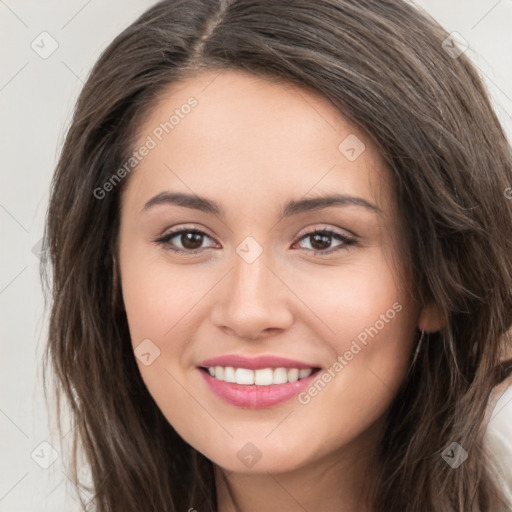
(243, 376)
(280, 376)
(229, 374)
(293, 375)
(219, 372)
(262, 377)
(303, 373)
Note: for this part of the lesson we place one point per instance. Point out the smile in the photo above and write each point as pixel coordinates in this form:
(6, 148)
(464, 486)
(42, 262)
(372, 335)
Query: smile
(261, 377)
(257, 389)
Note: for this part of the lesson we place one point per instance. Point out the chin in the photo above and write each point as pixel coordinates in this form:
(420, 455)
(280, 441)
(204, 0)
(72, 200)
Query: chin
(250, 459)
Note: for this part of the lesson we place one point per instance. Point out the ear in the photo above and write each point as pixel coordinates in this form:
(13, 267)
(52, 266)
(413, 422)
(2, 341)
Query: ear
(431, 318)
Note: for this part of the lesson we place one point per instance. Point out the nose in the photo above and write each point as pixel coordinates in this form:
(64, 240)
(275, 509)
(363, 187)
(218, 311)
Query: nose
(253, 301)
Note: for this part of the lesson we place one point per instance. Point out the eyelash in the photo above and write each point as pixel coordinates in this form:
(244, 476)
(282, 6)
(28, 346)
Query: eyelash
(346, 241)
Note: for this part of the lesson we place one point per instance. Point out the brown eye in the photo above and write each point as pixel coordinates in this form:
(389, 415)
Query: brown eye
(184, 241)
(191, 240)
(321, 241)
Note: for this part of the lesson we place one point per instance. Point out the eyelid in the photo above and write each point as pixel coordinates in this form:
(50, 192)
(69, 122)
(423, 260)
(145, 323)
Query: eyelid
(185, 227)
(346, 238)
(330, 229)
(168, 234)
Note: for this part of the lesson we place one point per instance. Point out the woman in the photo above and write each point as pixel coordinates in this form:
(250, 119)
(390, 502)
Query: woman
(280, 266)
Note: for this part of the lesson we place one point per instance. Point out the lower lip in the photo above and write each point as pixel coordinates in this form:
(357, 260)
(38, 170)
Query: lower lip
(256, 397)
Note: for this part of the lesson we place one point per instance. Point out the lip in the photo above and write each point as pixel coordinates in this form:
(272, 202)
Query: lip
(256, 397)
(256, 363)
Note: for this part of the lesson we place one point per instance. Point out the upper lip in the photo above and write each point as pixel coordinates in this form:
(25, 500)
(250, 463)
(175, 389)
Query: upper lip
(255, 363)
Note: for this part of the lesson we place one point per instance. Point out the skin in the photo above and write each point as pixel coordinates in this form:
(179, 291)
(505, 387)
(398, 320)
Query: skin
(251, 145)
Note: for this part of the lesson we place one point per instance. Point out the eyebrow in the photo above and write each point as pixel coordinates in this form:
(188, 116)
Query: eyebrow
(293, 207)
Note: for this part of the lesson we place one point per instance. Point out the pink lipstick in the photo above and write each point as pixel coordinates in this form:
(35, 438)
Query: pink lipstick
(258, 382)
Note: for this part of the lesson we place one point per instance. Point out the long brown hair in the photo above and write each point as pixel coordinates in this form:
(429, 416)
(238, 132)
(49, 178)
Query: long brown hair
(382, 63)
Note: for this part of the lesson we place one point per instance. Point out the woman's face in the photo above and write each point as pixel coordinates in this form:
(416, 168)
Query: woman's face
(239, 174)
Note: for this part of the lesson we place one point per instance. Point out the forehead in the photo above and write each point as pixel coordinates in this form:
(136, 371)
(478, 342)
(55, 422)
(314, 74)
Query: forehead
(251, 135)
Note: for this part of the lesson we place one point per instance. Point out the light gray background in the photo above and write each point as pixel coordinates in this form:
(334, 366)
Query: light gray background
(36, 100)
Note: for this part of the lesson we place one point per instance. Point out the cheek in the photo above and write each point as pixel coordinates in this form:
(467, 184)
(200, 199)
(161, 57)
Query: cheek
(372, 323)
(159, 298)
(161, 303)
(359, 299)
